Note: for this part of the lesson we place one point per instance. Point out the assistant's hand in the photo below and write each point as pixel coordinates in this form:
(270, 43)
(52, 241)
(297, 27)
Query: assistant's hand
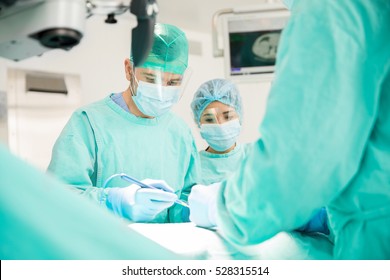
(203, 204)
(141, 204)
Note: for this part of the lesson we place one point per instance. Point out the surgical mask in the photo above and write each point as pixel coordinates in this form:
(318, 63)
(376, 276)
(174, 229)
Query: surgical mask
(221, 137)
(288, 3)
(155, 100)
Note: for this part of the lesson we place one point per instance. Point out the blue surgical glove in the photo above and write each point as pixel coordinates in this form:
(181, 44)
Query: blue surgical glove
(203, 204)
(141, 204)
(318, 223)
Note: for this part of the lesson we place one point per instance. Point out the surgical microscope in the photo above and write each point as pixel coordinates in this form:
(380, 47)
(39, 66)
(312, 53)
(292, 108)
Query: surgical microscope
(32, 27)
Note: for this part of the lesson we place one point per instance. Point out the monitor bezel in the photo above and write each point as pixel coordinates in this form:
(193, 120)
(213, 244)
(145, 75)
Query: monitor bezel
(259, 21)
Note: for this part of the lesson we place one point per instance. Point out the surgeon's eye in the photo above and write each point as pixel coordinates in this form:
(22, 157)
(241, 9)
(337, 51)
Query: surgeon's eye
(173, 83)
(210, 120)
(150, 80)
(229, 116)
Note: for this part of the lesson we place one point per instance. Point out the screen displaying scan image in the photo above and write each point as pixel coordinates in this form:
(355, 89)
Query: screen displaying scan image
(251, 42)
(253, 49)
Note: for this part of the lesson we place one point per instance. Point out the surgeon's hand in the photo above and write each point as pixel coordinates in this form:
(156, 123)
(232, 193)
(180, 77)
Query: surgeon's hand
(141, 204)
(203, 204)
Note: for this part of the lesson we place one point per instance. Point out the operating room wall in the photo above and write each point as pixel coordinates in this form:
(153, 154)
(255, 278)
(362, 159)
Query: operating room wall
(98, 60)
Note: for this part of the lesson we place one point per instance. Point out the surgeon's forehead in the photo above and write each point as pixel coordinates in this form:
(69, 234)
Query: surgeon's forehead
(217, 106)
(148, 72)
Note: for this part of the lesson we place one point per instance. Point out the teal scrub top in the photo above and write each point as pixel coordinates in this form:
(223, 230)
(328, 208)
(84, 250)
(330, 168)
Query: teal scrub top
(217, 167)
(102, 139)
(41, 219)
(325, 134)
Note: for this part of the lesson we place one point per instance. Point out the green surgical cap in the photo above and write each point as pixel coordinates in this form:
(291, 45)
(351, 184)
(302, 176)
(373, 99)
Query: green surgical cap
(220, 90)
(170, 50)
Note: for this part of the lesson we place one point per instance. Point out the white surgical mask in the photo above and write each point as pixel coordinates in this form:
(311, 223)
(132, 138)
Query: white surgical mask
(221, 137)
(155, 100)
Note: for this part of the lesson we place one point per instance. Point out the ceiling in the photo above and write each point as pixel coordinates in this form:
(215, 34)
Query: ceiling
(196, 15)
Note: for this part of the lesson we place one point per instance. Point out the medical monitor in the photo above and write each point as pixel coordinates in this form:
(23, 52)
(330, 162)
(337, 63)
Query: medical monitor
(251, 43)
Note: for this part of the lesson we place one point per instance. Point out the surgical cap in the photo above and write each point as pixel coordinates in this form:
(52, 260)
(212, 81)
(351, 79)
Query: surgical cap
(220, 90)
(170, 50)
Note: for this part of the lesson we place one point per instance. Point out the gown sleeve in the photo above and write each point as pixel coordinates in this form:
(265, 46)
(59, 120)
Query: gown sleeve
(74, 157)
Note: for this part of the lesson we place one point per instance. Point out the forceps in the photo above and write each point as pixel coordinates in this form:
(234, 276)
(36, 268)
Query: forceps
(141, 184)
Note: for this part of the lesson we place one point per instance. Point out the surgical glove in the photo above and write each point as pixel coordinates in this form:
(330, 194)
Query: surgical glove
(203, 204)
(318, 223)
(141, 204)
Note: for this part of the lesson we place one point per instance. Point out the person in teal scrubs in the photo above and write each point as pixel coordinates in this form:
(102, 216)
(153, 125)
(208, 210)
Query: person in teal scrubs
(135, 132)
(325, 134)
(217, 111)
(41, 219)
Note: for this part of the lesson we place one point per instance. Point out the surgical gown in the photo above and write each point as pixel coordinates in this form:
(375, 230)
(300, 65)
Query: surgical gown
(217, 167)
(43, 220)
(102, 139)
(325, 135)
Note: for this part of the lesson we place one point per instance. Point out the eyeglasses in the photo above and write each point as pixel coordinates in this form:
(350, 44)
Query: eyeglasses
(217, 116)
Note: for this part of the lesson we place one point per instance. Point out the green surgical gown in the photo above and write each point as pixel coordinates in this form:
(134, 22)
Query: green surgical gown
(41, 219)
(217, 167)
(325, 134)
(102, 139)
